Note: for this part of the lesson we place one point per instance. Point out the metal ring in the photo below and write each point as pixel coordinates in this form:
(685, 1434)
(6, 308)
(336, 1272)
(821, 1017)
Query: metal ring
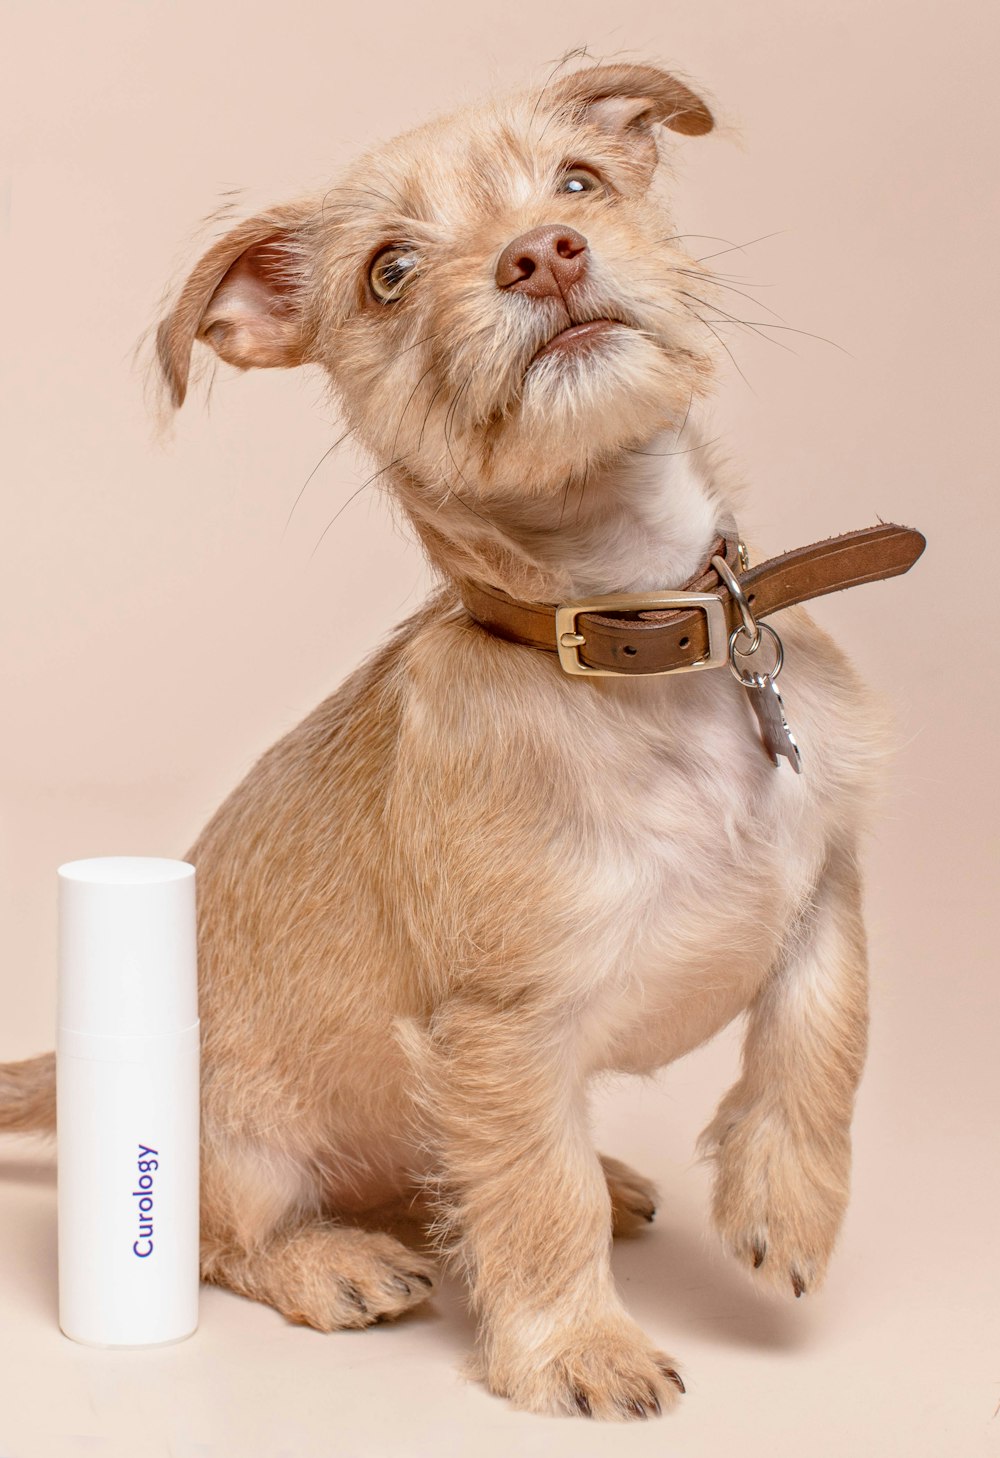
(750, 680)
(749, 626)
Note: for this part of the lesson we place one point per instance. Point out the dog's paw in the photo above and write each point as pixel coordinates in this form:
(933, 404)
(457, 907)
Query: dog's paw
(330, 1277)
(606, 1371)
(374, 1279)
(633, 1198)
(779, 1200)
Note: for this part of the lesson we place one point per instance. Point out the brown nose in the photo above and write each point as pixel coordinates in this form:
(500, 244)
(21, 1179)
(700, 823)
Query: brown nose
(543, 263)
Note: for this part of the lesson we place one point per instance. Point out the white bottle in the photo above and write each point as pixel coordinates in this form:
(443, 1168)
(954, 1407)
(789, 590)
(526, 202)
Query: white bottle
(127, 1085)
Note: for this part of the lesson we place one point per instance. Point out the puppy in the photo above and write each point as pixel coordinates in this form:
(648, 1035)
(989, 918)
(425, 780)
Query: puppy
(469, 881)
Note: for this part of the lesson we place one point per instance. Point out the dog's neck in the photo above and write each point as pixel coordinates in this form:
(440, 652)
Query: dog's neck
(645, 522)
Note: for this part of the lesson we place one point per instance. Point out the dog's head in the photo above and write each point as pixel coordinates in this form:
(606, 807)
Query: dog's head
(498, 297)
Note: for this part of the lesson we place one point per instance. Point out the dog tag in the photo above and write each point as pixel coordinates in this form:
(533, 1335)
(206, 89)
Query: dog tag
(765, 700)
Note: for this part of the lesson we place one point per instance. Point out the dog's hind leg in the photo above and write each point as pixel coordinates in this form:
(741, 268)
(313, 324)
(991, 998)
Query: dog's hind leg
(265, 1235)
(633, 1197)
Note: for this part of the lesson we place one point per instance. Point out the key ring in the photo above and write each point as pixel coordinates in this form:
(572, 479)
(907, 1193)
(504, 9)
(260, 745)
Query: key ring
(755, 680)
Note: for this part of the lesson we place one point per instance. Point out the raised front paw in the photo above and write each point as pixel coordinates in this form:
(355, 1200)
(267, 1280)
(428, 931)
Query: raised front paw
(607, 1370)
(780, 1195)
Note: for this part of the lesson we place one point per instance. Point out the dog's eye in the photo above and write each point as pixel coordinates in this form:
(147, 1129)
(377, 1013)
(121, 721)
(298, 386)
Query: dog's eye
(390, 272)
(579, 179)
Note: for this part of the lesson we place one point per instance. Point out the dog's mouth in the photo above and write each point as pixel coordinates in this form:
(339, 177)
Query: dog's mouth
(560, 351)
(577, 338)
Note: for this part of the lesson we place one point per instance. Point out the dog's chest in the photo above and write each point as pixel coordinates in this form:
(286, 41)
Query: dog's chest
(701, 854)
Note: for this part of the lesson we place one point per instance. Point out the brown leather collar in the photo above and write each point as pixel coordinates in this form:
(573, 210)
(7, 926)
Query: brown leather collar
(607, 639)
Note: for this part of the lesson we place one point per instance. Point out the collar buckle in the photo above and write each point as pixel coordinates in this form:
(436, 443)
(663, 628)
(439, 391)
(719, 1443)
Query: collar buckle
(569, 639)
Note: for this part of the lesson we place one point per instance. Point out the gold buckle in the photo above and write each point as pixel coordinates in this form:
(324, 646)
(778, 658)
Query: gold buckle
(569, 640)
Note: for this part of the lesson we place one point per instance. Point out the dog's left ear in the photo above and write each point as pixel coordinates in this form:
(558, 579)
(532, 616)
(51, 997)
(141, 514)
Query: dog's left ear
(629, 101)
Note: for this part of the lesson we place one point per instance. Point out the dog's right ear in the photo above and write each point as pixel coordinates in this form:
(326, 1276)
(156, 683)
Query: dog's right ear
(620, 97)
(246, 298)
(627, 102)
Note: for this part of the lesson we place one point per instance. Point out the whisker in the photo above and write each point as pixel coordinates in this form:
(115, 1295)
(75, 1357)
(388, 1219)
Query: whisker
(759, 324)
(427, 414)
(766, 324)
(738, 247)
(578, 53)
(347, 503)
(712, 238)
(565, 496)
(583, 491)
(684, 422)
(720, 339)
(416, 344)
(716, 280)
(448, 426)
(449, 419)
(409, 401)
(728, 318)
(751, 283)
(685, 452)
(329, 451)
(397, 203)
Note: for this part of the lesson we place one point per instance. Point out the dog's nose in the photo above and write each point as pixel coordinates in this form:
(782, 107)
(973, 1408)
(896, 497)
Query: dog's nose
(544, 262)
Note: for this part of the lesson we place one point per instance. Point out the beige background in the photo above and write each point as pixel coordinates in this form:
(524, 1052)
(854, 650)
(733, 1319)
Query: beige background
(159, 629)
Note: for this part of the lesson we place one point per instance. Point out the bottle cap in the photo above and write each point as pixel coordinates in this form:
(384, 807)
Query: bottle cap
(127, 946)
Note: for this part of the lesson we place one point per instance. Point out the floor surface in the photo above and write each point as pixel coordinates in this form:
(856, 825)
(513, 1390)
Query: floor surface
(896, 1356)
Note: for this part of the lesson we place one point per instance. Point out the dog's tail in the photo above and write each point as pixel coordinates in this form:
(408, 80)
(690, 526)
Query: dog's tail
(28, 1096)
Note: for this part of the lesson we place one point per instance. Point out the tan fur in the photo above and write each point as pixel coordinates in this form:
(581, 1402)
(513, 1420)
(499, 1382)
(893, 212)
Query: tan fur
(466, 882)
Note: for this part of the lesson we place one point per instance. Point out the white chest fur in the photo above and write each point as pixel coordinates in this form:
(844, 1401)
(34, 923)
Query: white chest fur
(698, 854)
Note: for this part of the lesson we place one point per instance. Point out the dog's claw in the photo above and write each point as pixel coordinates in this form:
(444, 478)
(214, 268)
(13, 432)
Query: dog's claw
(353, 1294)
(419, 1276)
(646, 1212)
(798, 1285)
(583, 1403)
(634, 1405)
(675, 1377)
(759, 1252)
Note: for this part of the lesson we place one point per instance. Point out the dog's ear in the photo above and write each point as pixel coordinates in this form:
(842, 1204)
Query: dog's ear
(628, 101)
(246, 298)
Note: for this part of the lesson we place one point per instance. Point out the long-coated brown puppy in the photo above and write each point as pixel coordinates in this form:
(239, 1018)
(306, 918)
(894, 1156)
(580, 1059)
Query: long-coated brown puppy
(468, 881)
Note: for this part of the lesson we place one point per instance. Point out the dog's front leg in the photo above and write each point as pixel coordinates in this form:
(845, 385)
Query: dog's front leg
(529, 1214)
(781, 1137)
